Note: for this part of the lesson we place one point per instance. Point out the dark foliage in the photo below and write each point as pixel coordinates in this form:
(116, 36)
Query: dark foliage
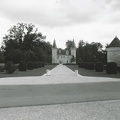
(22, 66)
(111, 68)
(1, 68)
(30, 65)
(69, 64)
(99, 67)
(91, 66)
(36, 64)
(10, 67)
(24, 43)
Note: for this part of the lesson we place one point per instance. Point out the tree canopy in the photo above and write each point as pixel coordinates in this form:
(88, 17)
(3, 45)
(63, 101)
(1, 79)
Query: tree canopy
(90, 52)
(24, 42)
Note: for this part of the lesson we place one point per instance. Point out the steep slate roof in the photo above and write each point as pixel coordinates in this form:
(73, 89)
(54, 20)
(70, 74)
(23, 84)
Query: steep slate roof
(54, 44)
(115, 43)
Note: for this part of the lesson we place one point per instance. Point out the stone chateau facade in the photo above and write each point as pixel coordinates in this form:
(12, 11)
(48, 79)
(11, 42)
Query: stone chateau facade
(63, 55)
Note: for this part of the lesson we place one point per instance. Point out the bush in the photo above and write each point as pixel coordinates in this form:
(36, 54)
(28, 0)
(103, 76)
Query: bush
(79, 64)
(111, 68)
(10, 67)
(118, 69)
(36, 64)
(22, 66)
(40, 64)
(52, 63)
(43, 64)
(1, 68)
(82, 64)
(90, 66)
(69, 64)
(86, 65)
(30, 65)
(99, 67)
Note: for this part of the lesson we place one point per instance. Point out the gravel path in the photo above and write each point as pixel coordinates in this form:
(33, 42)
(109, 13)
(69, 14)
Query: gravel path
(101, 110)
(60, 74)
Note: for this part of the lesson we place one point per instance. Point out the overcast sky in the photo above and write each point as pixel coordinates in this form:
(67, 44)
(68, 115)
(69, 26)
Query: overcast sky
(62, 20)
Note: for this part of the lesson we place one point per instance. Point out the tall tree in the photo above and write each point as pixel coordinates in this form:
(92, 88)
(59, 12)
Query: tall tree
(89, 52)
(69, 44)
(25, 39)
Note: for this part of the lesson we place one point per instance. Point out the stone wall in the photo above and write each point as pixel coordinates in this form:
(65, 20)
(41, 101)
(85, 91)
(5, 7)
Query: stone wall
(113, 55)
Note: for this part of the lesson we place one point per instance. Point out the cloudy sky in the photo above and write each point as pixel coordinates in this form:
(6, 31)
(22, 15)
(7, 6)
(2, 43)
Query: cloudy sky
(62, 20)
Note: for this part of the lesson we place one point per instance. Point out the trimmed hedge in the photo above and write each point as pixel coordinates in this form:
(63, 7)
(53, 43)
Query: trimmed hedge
(86, 65)
(30, 65)
(82, 64)
(22, 66)
(118, 69)
(1, 68)
(90, 66)
(99, 67)
(69, 64)
(10, 67)
(52, 63)
(40, 64)
(43, 64)
(36, 64)
(111, 68)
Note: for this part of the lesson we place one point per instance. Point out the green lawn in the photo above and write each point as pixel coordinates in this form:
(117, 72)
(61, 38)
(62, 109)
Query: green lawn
(35, 72)
(92, 73)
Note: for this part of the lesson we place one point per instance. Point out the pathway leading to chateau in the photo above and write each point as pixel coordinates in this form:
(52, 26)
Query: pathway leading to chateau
(61, 87)
(59, 75)
(86, 96)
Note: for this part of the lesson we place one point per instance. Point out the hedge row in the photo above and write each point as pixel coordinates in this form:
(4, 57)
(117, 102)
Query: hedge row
(111, 67)
(23, 66)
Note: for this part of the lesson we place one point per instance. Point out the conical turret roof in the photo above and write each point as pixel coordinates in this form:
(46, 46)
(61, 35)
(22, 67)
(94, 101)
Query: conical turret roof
(115, 43)
(73, 44)
(54, 44)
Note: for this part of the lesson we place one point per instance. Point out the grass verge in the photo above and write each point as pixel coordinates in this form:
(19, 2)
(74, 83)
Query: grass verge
(35, 72)
(92, 73)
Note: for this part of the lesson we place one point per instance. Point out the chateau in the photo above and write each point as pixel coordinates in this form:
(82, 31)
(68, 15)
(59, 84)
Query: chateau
(63, 55)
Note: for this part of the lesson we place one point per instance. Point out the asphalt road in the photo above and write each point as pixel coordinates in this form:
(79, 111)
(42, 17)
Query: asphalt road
(29, 95)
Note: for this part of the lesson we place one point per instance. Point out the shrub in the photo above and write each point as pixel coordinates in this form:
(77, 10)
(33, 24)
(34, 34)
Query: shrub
(30, 65)
(40, 64)
(69, 64)
(43, 64)
(36, 64)
(10, 67)
(52, 63)
(111, 68)
(1, 68)
(82, 64)
(99, 67)
(118, 69)
(91, 66)
(79, 64)
(86, 65)
(22, 66)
